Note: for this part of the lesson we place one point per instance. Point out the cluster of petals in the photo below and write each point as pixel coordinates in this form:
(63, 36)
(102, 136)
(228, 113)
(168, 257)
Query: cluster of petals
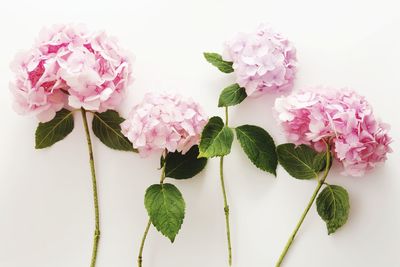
(264, 61)
(70, 67)
(164, 122)
(343, 118)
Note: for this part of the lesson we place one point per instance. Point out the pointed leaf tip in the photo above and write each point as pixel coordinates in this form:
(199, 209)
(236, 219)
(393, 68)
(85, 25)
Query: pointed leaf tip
(258, 146)
(333, 207)
(216, 139)
(217, 61)
(166, 208)
(49, 133)
(107, 127)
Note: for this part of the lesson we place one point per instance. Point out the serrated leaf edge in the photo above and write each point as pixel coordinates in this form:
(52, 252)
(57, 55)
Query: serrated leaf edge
(172, 239)
(236, 129)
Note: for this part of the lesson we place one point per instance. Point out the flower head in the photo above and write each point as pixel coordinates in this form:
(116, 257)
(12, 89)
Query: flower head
(164, 122)
(264, 61)
(358, 140)
(70, 66)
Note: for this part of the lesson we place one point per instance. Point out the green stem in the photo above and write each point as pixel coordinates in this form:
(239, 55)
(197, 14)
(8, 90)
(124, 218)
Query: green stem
(162, 177)
(226, 210)
(226, 206)
(226, 116)
(146, 231)
(96, 237)
(303, 216)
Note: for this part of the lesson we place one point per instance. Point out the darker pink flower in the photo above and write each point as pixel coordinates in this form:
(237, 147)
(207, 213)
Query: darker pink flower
(358, 140)
(164, 122)
(69, 66)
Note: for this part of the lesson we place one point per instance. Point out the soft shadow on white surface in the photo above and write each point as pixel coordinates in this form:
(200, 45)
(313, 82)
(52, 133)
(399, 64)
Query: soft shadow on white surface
(45, 195)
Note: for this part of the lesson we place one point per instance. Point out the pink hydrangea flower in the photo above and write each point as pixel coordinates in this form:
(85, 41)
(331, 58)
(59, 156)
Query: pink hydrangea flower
(164, 122)
(359, 141)
(264, 61)
(70, 66)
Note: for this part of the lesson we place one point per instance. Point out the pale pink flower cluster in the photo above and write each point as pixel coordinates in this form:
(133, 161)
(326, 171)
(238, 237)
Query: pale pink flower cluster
(164, 122)
(264, 61)
(70, 66)
(359, 141)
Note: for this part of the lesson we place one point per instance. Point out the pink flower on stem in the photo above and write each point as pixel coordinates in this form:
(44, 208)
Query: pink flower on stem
(359, 141)
(264, 61)
(69, 66)
(164, 122)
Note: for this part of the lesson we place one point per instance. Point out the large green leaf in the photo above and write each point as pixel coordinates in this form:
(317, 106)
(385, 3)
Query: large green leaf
(216, 60)
(185, 166)
(106, 126)
(333, 207)
(166, 208)
(259, 147)
(232, 95)
(216, 139)
(301, 162)
(55, 130)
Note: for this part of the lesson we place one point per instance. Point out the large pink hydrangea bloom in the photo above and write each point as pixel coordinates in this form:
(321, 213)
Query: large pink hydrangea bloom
(359, 141)
(264, 61)
(164, 122)
(69, 66)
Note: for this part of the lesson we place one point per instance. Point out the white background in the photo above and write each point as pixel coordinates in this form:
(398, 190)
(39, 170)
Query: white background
(46, 213)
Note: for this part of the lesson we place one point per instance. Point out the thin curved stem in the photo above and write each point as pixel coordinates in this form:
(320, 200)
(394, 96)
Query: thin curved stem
(96, 237)
(303, 216)
(146, 231)
(226, 206)
(312, 199)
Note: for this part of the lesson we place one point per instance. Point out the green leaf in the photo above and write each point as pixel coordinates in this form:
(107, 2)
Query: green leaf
(320, 161)
(166, 208)
(301, 162)
(333, 206)
(232, 95)
(185, 166)
(216, 139)
(106, 126)
(259, 147)
(51, 132)
(216, 60)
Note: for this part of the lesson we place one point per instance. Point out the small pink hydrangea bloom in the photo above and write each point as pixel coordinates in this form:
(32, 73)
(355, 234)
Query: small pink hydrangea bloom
(164, 122)
(264, 61)
(70, 67)
(359, 141)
